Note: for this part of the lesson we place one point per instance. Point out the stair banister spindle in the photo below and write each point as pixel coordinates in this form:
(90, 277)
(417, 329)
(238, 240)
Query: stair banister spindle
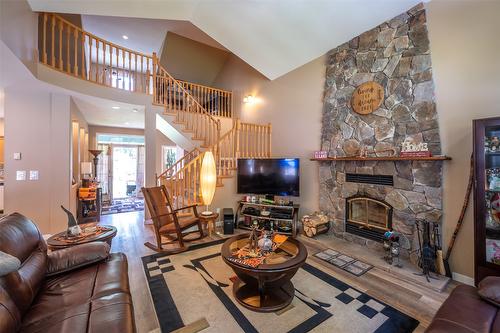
(68, 62)
(82, 55)
(52, 55)
(75, 44)
(60, 39)
(97, 67)
(44, 46)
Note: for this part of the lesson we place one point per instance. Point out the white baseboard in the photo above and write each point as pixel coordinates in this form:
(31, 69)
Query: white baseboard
(462, 278)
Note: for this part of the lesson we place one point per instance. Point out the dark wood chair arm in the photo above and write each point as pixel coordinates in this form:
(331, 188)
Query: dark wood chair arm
(194, 206)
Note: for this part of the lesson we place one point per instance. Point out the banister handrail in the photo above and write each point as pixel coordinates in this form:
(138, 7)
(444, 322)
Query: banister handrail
(59, 17)
(179, 161)
(203, 86)
(160, 67)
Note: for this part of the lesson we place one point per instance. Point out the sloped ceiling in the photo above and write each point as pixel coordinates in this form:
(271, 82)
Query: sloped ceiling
(274, 37)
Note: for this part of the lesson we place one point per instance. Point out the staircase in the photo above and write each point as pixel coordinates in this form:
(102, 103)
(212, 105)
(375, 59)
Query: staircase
(198, 109)
(244, 140)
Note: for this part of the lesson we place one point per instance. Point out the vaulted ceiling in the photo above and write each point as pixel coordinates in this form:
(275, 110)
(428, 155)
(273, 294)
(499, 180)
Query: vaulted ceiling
(273, 36)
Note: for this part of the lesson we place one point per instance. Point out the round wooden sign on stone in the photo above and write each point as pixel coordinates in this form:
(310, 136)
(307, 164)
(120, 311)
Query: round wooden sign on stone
(367, 97)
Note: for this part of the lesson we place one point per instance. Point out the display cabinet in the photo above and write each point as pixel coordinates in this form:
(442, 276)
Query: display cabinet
(486, 197)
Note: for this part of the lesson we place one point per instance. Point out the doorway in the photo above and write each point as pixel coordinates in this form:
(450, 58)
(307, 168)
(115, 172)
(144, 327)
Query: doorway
(124, 173)
(121, 172)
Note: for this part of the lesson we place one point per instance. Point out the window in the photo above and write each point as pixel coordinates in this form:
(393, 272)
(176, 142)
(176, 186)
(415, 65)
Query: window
(169, 157)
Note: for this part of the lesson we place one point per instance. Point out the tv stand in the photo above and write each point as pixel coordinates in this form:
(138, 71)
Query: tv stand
(285, 224)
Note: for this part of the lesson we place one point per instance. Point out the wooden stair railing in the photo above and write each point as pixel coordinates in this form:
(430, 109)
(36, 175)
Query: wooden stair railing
(68, 48)
(171, 94)
(244, 140)
(179, 164)
(217, 102)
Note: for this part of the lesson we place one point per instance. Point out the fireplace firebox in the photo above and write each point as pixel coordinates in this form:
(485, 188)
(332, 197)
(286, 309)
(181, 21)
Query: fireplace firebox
(368, 217)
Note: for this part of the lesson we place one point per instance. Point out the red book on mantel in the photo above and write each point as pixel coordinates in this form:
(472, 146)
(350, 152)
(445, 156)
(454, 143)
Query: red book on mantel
(415, 154)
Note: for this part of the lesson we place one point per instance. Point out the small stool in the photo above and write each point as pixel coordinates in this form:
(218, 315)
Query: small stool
(209, 220)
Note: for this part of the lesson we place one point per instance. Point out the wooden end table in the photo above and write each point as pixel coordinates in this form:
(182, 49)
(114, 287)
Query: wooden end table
(55, 244)
(209, 220)
(267, 287)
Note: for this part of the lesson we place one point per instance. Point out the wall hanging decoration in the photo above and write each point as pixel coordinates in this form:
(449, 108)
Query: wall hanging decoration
(367, 97)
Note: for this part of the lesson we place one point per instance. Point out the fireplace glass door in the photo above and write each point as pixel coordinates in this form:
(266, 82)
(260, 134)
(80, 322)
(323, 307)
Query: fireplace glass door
(369, 213)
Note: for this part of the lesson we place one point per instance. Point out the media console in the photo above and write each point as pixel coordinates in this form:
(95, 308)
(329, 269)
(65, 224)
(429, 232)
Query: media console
(283, 218)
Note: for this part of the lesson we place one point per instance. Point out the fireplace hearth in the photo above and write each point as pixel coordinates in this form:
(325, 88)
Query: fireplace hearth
(368, 217)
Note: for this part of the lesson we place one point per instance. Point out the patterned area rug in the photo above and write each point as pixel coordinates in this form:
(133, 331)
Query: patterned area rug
(192, 291)
(123, 206)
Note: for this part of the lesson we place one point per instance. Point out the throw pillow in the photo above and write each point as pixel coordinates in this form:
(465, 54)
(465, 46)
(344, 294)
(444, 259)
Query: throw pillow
(489, 290)
(8, 263)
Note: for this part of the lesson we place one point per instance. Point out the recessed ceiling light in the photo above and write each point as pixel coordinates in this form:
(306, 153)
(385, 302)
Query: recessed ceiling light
(125, 37)
(135, 110)
(127, 123)
(115, 107)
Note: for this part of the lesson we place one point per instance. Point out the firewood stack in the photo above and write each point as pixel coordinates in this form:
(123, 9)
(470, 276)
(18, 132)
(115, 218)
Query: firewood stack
(315, 224)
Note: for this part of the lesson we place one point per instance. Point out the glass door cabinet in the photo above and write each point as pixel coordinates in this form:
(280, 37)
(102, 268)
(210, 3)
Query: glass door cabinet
(487, 197)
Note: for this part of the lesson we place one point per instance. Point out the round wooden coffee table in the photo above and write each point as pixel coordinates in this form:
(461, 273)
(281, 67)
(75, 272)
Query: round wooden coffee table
(55, 243)
(266, 288)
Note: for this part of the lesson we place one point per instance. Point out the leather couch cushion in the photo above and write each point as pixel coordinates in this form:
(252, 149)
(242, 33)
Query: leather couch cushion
(464, 312)
(489, 289)
(97, 295)
(10, 318)
(65, 260)
(20, 238)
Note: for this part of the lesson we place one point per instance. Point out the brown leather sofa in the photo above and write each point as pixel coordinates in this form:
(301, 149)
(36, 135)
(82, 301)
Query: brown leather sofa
(465, 312)
(78, 289)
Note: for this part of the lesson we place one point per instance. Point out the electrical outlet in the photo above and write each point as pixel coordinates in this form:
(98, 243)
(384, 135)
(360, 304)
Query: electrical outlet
(17, 156)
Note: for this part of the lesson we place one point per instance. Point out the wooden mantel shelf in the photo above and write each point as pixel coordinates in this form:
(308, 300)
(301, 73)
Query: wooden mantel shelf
(386, 158)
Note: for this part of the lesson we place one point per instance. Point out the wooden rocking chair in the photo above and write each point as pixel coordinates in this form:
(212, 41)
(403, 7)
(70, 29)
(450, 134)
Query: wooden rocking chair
(167, 222)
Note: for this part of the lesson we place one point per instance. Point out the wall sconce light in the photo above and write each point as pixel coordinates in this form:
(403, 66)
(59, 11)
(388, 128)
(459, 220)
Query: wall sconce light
(249, 99)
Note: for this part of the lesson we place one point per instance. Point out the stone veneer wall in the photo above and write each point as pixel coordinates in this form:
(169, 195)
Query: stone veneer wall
(395, 54)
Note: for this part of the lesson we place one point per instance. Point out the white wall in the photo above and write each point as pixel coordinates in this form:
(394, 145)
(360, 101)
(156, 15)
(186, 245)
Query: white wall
(465, 49)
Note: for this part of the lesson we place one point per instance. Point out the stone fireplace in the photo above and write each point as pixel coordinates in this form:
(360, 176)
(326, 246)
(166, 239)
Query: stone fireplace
(367, 217)
(396, 55)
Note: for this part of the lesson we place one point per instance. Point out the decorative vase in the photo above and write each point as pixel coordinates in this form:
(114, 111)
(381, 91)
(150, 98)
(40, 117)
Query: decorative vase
(265, 244)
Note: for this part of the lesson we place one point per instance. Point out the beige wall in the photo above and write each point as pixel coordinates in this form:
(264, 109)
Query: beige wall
(465, 49)
(38, 126)
(292, 104)
(18, 29)
(188, 60)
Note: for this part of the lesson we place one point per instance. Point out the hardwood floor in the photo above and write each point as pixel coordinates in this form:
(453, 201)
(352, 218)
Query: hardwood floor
(419, 302)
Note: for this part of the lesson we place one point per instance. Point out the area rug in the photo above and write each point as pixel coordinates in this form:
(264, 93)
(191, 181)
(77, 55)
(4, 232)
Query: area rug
(192, 292)
(123, 206)
(347, 263)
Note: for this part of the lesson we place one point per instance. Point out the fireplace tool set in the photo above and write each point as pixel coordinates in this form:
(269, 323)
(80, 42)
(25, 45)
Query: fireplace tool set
(429, 247)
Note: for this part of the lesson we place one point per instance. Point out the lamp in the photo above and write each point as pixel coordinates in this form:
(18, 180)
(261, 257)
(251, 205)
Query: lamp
(95, 153)
(208, 179)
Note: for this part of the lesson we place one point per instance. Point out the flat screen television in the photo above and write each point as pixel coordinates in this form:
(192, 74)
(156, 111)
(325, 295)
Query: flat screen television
(275, 176)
